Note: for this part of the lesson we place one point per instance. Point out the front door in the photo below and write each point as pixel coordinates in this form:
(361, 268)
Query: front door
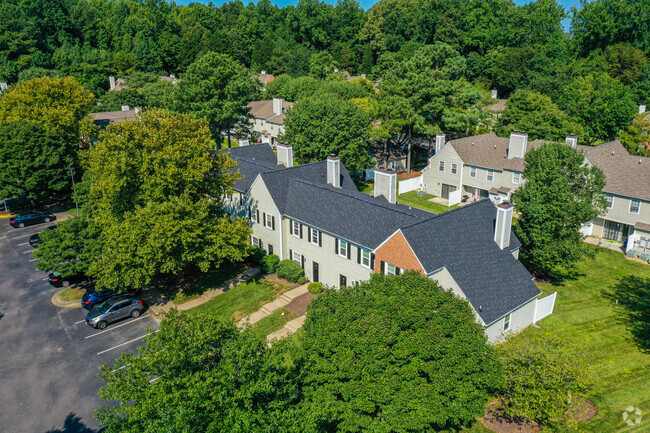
(446, 189)
(270, 249)
(314, 276)
(343, 281)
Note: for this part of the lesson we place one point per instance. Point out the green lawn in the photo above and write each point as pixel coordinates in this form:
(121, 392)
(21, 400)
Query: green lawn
(72, 294)
(273, 322)
(242, 300)
(412, 198)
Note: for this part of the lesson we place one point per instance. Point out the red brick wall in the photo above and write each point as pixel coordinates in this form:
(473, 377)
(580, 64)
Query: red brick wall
(398, 252)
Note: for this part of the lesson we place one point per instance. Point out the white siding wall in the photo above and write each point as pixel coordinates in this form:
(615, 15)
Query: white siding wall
(620, 212)
(261, 200)
(433, 178)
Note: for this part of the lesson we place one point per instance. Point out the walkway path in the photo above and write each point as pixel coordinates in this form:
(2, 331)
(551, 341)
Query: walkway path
(269, 308)
(615, 246)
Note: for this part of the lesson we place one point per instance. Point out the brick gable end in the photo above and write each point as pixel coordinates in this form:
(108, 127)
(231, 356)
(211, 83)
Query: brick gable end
(397, 251)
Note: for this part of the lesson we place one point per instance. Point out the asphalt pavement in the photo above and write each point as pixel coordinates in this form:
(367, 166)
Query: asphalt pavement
(49, 358)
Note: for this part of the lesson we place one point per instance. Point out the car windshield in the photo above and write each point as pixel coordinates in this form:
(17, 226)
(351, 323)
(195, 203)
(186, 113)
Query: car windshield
(103, 307)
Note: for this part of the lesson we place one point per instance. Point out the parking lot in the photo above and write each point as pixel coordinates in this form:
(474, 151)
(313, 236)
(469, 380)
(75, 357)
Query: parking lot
(49, 358)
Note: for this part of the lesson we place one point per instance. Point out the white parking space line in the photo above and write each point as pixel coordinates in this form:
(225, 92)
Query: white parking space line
(34, 260)
(28, 252)
(22, 236)
(81, 321)
(124, 344)
(115, 327)
(24, 243)
(44, 279)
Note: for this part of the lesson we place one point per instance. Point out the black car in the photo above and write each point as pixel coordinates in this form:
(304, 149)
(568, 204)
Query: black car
(117, 308)
(57, 280)
(28, 219)
(36, 240)
(92, 298)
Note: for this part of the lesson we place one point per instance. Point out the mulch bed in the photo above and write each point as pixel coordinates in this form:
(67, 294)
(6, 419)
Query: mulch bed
(501, 424)
(300, 304)
(274, 278)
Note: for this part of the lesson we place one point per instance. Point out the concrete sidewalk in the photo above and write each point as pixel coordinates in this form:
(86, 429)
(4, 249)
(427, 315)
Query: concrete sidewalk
(614, 246)
(288, 329)
(269, 308)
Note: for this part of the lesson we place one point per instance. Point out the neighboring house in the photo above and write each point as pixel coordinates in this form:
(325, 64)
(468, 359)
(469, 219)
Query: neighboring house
(396, 156)
(268, 118)
(265, 78)
(628, 196)
(120, 84)
(104, 119)
(478, 167)
(313, 214)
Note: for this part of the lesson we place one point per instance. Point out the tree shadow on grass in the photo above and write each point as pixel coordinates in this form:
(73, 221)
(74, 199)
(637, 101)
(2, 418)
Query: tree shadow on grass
(73, 424)
(632, 295)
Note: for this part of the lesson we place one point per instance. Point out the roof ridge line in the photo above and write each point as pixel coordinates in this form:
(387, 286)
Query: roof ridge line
(438, 215)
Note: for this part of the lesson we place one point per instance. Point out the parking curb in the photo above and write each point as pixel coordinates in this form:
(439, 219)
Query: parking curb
(7, 216)
(59, 303)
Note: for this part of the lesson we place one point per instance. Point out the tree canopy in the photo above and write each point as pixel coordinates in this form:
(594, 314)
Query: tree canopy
(560, 194)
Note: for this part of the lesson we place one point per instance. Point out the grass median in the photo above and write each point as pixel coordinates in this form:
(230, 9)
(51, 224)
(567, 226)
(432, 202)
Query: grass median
(273, 322)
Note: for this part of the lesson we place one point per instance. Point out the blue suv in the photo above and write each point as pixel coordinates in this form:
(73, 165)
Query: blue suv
(92, 298)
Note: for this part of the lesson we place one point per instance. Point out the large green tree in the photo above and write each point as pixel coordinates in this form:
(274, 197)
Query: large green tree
(34, 161)
(155, 188)
(537, 115)
(600, 103)
(217, 88)
(393, 354)
(560, 194)
(197, 374)
(318, 127)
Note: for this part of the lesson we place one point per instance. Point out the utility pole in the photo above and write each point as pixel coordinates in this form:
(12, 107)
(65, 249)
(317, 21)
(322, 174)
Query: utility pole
(73, 187)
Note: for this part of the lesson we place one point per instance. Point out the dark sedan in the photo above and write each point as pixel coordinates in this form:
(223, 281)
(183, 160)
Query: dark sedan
(35, 240)
(28, 219)
(57, 280)
(92, 298)
(118, 308)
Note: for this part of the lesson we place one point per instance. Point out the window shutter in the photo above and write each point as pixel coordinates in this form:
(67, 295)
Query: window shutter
(381, 270)
(249, 214)
(300, 231)
(261, 244)
(372, 261)
(320, 239)
(303, 262)
(264, 219)
(349, 250)
(336, 245)
(291, 228)
(272, 222)
(257, 215)
(358, 255)
(397, 270)
(290, 254)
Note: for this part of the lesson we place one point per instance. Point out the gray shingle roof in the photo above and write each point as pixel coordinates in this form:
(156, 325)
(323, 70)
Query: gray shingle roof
(253, 160)
(462, 240)
(348, 214)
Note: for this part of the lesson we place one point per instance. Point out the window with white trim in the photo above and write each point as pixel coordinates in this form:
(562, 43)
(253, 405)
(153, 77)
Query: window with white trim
(472, 172)
(268, 221)
(343, 248)
(454, 168)
(257, 242)
(365, 258)
(255, 215)
(609, 199)
(295, 228)
(314, 237)
(490, 176)
(506, 322)
(635, 205)
(390, 269)
(516, 177)
(441, 166)
(297, 258)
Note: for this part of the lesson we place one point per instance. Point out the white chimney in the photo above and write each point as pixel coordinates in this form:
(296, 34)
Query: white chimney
(111, 83)
(263, 72)
(243, 143)
(386, 184)
(440, 142)
(277, 106)
(503, 224)
(334, 171)
(494, 93)
(572, 141)
(518, 144)
(125, 108)
(3, 86)
(336, 70)
(138, 110)
(641, 108)
(172, 76)
(285, 155)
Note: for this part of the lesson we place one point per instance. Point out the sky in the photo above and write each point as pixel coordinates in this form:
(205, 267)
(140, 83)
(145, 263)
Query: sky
(366, 4)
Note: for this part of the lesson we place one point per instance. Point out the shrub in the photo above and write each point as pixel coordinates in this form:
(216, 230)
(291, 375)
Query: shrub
(269, 263)
(302, 280)
(315, 288)
(289, 270)
(256, 255)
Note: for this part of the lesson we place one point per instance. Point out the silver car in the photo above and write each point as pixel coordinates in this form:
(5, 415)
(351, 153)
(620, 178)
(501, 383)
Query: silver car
(115, 309)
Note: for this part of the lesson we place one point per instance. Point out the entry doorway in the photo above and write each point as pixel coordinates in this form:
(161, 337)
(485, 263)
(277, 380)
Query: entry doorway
(314, 276)
(446, 189)
(615, 231)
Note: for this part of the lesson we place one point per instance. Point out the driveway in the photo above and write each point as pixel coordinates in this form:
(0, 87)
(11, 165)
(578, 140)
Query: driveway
(49, 358)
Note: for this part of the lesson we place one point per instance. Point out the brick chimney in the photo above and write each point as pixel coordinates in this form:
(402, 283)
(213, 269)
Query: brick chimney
(572, 141)
(111, 83)
(503, 224)
(518, 144)
(334, 171)
(386, 184)
(277, 106)
(285, 154)
(440, 142)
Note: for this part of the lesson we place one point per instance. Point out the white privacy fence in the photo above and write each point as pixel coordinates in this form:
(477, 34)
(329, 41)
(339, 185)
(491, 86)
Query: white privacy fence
(454, 197)
(410, 184)
(544, 307)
